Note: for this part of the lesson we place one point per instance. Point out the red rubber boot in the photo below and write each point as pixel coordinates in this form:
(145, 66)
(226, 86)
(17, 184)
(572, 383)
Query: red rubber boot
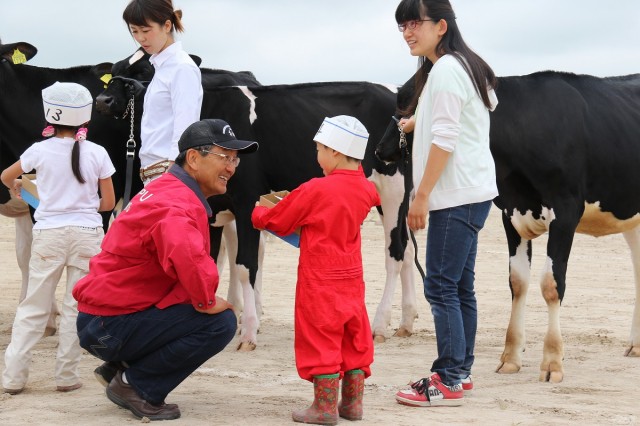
(324, 409)
(350, 406)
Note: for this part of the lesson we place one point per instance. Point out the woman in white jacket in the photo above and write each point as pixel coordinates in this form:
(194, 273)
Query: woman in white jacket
(454, 181)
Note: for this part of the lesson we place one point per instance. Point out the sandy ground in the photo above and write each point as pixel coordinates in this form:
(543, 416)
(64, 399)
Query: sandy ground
(262, 387)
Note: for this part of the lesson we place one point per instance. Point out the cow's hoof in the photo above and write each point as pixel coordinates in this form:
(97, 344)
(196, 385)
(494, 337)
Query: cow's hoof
(402, 332)
(551, 376)
(379, 338)
(508, 368)
(632, 351)
(246, 347)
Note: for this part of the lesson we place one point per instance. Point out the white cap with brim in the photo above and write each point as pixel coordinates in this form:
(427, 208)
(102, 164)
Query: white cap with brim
(345, 134)
(67, 104)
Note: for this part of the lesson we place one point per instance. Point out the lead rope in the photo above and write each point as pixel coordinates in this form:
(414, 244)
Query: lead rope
(130, 155)
(405, 157)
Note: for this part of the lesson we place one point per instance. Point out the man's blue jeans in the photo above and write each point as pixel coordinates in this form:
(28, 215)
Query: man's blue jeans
(162, 347)
(452, 243)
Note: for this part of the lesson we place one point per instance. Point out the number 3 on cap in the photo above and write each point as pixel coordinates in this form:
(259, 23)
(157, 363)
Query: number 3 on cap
(54, 116)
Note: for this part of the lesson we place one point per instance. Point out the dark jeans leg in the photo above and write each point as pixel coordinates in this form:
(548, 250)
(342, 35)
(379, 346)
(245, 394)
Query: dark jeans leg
(452, 240)
(161, 346)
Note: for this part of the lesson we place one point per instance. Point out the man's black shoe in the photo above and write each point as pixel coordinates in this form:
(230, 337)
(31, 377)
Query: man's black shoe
(125, 396)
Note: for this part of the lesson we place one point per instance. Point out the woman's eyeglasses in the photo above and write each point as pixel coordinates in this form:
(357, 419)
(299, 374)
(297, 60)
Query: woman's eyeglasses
(411, 25)
(228, 160)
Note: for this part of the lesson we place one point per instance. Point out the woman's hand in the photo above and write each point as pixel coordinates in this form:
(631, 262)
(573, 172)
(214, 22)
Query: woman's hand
(407, 124)
(417, 216)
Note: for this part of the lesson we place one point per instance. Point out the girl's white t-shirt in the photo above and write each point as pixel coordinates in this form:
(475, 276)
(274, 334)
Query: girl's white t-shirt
(63, 200)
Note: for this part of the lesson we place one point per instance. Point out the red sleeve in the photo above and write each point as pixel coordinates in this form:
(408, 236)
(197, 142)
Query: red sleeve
(286, 216)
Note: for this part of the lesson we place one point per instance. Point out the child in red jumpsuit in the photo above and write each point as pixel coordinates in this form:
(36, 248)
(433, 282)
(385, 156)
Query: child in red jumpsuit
(332, 331)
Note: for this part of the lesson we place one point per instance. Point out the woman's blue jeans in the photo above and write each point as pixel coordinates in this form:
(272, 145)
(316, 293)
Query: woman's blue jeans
(452, 244)
(162, 347)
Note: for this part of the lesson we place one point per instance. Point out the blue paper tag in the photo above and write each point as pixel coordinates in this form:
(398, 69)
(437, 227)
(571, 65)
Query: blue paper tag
(29, 198)
(293, 239)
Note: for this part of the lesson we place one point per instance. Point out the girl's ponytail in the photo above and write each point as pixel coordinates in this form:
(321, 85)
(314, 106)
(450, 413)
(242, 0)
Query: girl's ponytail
(81, 135)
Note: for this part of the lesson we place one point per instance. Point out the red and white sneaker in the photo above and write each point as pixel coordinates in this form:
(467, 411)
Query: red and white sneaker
(431, 392)
(467, 385)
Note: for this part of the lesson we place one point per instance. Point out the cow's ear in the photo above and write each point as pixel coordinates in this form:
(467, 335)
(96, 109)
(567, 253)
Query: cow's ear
(103, 72)
(17, 53)
(196, 59)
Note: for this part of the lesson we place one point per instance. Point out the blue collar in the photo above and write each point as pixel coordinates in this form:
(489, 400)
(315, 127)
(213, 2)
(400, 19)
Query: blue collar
(185, 178)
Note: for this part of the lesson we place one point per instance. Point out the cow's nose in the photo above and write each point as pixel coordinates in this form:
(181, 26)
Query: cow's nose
(105, 100)
(103, 104)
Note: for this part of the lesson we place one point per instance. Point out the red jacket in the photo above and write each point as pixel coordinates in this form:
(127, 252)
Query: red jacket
(156, 253)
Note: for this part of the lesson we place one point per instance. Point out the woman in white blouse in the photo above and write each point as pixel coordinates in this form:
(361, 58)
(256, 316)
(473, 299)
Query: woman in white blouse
(174, 97)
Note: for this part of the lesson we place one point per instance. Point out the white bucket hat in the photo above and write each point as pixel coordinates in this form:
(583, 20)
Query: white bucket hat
(345, 134)
(67, 104)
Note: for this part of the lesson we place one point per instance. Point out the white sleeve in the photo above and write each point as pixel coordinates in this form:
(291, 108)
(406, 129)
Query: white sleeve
(445, 124)
(186, 99)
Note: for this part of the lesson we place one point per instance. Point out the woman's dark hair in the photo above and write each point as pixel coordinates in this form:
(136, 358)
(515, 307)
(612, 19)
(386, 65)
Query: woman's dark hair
(451, 43)
(145, 12)
(75, 152)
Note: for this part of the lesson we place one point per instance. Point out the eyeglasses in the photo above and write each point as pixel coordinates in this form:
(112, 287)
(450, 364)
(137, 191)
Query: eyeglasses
(228, 160)
(411, 25)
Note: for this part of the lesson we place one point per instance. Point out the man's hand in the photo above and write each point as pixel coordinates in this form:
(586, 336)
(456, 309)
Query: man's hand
(221, 305)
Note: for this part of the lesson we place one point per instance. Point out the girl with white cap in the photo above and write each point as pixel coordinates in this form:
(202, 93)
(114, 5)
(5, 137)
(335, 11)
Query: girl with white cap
(67, 233)
(332, 331)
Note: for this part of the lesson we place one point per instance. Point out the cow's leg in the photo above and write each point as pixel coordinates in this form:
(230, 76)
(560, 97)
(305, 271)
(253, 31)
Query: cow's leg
(561, 233)
(234, 294)
(24, 235)
(519, 275)
(250, 321)
(252, 295)
(257, 287)
(398, 256)
(382, 318)
(633, 240)
(409, 306)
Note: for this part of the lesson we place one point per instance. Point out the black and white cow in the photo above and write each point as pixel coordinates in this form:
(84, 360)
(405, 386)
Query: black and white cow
(284, 119)
(567, 151)
(22, 121)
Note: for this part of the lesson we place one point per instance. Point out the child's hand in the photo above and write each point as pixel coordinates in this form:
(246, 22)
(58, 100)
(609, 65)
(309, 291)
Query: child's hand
(17, 189)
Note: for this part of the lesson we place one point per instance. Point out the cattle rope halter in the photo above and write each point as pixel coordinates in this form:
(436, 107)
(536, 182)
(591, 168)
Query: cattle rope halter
(131, 151)
(405, 156)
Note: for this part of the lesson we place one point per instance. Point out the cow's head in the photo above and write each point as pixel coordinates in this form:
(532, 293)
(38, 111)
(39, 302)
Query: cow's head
(390, 147)
(128, 79)
(17, 53)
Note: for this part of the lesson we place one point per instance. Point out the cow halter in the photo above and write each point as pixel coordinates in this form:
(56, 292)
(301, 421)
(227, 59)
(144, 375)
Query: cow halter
(131, 151)
(405, 156)
(402, 145)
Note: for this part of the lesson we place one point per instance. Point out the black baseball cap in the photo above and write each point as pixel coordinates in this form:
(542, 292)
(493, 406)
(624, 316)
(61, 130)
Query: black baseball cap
(213, 131)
